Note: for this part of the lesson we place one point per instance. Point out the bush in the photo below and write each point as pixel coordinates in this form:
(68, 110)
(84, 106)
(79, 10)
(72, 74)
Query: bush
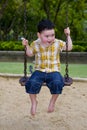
(86, 49)
(11, 46)
(78, 46)
(80, 43)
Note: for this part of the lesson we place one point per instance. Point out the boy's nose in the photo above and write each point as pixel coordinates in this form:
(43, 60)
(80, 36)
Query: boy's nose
(49, 39)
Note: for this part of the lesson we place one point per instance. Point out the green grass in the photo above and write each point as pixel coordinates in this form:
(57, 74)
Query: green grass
(13, 67)
(75, 70)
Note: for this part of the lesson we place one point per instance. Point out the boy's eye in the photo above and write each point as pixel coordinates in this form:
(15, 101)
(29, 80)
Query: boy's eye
(53, 35)
(50, 36)
(47, 36)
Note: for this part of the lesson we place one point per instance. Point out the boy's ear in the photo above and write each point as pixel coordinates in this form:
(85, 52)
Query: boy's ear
(38, 34)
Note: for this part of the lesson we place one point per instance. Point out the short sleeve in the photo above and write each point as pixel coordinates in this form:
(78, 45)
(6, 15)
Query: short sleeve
(32, 46)
(61, 44)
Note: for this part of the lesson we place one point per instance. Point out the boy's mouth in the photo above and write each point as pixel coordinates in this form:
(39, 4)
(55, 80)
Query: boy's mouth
(49, 42)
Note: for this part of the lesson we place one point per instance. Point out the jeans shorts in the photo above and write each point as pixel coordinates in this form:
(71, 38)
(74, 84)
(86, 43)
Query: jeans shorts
(53, 80)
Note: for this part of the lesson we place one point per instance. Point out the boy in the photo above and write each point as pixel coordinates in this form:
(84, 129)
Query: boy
(47, 63)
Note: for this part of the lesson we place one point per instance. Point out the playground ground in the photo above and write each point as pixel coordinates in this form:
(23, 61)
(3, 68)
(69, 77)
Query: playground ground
(70, 110)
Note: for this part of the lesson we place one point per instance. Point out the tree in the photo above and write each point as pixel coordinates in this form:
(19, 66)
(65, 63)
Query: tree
(12, 17)
(7, 19)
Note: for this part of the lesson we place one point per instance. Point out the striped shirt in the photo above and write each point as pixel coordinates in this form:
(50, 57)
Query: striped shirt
(47, 59)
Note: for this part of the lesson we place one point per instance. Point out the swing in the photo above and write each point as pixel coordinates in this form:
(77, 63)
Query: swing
(67, 80)
(23, 79)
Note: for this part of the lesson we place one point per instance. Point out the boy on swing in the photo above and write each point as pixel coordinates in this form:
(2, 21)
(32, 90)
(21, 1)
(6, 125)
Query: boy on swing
(47, 63)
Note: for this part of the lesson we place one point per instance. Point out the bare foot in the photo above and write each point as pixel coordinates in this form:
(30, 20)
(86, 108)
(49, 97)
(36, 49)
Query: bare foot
(51, 108)
(33, 108)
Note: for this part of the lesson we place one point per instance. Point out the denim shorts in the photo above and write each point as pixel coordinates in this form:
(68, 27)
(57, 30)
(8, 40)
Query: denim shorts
(53, 80)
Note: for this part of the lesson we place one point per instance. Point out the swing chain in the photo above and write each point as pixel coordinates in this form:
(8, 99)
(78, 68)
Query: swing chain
(66, 70)
(23, 79)
(25, 57)
(67, 80)
(25, 62)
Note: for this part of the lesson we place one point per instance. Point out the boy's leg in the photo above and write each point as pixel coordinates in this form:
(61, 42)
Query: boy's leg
(33, 104)
(52, 103)
(55, 84)
(33, 86)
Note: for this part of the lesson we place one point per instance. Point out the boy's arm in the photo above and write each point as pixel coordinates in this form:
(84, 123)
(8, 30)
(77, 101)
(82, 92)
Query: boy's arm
(29, 51)
(69, 40)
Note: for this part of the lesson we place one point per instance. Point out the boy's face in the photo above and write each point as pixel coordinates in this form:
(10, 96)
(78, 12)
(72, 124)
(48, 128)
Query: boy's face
(47, 36)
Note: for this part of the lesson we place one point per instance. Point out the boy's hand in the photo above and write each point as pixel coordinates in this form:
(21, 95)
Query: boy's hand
(67, 31)
(24, 41)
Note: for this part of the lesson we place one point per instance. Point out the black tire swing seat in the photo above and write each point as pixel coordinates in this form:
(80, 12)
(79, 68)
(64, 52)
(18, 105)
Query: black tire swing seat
(67, 80)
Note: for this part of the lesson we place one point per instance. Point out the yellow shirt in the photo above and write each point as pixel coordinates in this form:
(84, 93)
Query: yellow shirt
(47, 59)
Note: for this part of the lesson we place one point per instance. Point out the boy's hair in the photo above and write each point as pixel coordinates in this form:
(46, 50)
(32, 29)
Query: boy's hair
(45, 24)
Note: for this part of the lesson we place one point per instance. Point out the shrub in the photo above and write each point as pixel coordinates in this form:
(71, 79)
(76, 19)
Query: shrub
(81, 43)
(78, 46)
(11, 46)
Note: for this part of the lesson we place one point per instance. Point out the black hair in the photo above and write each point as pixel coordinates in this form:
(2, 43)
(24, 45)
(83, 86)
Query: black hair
(45, 24)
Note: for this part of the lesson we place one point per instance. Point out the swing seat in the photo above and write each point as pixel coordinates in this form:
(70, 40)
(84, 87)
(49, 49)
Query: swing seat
(23, 80)
(67, 81)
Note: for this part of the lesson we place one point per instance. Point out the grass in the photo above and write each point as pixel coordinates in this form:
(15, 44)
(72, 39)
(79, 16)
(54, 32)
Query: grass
(12, 67)
(75, 70)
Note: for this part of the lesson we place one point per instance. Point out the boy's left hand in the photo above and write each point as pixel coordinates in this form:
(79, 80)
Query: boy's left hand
(67, 31)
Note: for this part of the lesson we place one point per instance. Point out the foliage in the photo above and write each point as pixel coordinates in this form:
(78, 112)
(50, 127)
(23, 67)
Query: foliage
(81, 43)
(11, 46)
(79, 46)
(12, 17)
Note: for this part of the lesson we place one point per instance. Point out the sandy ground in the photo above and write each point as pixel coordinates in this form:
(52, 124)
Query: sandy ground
(70, 110)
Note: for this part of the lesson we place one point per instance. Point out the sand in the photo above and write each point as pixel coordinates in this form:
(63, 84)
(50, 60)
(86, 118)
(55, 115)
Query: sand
(70, 110)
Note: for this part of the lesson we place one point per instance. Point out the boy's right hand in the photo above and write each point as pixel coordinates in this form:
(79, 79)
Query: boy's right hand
(24, 42)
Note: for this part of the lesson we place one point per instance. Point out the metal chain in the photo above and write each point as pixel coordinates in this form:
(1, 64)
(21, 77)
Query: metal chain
(66, 69)
(25, 57)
